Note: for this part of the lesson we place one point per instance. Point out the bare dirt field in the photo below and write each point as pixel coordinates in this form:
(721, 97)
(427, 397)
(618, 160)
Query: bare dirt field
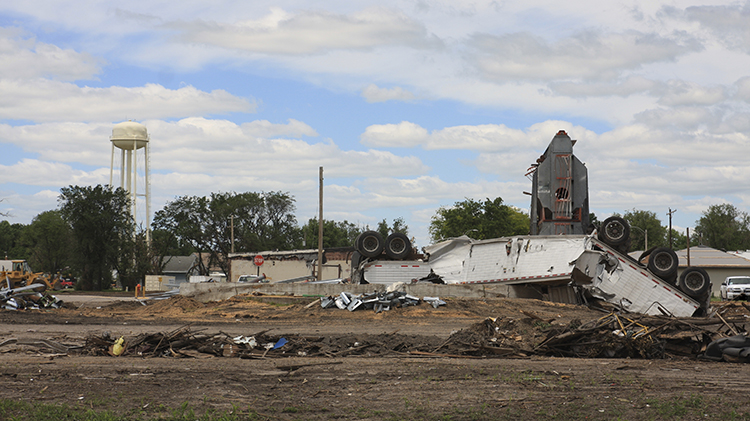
(446, 363)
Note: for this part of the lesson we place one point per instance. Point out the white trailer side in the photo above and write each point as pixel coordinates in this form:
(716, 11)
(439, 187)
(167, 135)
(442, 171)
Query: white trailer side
(580, 260)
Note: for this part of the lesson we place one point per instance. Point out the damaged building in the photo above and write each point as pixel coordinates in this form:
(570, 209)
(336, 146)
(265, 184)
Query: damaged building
(293, 265)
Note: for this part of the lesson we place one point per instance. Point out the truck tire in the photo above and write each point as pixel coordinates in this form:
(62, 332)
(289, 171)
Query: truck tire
(614, 231)
(694, 282)
(370, 244)
(397, 246)
(663, 262)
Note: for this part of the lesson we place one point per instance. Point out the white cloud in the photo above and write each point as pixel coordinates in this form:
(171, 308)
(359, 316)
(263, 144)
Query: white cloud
(685, 118)
(743, 89)
(404, 134)
(234, 152)
(658, 98)
(681, 93)
(629, 86)
(62, 142)
(588, 55)
(264, 128)
(22, 208)
(728, 23)
(50, 174)
(371, 93)
(24, 58)
(46, 100)
(483, 137)
(311, 32)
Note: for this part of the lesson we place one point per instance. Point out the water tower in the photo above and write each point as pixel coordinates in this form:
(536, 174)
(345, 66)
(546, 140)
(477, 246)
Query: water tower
(129, 137)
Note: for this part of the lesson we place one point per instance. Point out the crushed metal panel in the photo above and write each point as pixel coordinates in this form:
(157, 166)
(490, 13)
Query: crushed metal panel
(635, 289)
(522, 259)
(392, 271)
(563, 294)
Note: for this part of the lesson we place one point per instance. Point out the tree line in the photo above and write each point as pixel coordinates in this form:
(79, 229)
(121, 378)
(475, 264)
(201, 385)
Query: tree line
(91, 234)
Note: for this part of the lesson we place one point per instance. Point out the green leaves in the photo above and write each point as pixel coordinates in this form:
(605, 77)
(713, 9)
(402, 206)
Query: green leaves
(724, 227)
(479, 220)
(260, 221)
(101, 226)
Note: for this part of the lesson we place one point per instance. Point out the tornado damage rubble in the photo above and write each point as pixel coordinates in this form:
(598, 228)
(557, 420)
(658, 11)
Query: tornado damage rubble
(607, 336)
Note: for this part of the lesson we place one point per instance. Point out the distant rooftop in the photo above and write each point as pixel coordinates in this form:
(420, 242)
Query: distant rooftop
(704, 256)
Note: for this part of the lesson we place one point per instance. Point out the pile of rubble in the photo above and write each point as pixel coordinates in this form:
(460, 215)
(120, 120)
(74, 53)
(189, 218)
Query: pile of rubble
(377, 301)
(28, 297)
(184, 342)
(723, 336)
(611, 336)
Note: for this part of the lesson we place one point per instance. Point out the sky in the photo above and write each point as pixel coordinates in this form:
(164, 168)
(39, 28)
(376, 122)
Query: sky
(408, 105)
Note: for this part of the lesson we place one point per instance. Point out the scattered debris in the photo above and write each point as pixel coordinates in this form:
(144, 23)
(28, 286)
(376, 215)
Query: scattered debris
(611, 336)
(53, 346)
(377, 301)
(523, 333)
(28, 297)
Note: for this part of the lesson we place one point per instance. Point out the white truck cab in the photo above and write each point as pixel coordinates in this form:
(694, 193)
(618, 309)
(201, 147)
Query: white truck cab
(734, 287)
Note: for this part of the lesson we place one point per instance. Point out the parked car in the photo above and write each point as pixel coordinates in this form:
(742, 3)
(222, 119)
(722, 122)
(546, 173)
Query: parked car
(67, 283)
(253, 279)
(735, 288)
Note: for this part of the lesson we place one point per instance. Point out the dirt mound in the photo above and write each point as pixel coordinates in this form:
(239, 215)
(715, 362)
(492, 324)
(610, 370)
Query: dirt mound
(175, 305)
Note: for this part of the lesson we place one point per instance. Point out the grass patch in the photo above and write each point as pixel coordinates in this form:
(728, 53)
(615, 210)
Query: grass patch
(678, 407)
(16, 411)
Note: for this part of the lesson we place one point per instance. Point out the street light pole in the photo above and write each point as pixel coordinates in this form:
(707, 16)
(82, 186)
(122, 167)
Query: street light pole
(670, 226)
(645, 236)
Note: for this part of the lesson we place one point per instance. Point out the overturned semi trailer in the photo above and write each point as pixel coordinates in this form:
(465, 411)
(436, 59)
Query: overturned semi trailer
(565, 253)
(583, 263)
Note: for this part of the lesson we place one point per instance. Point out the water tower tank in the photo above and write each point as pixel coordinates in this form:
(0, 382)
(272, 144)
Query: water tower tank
(129, 135)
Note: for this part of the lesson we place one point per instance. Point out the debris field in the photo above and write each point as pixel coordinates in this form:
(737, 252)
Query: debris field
(468, 359)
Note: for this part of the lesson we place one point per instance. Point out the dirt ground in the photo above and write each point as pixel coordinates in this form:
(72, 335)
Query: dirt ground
(400, 364)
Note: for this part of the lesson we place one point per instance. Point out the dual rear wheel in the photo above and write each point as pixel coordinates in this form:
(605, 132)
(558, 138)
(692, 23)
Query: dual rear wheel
(371, 244)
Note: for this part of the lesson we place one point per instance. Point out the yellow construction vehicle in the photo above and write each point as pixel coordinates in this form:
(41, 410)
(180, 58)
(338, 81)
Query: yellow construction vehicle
(19, 274)
(20, 288)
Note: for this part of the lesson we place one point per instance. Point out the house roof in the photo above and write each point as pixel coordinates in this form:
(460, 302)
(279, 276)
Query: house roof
(179, 264)
(709, 257)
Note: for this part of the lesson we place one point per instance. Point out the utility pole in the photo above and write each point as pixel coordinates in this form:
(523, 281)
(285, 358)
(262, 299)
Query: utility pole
(320, 228)
(232, 232)
(670, 226)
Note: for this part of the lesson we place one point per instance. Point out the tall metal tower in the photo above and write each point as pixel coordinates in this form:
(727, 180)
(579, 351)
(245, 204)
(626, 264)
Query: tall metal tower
(130, 137)
(560, 195)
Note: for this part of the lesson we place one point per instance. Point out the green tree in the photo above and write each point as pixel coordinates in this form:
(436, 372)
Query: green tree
(399, 225)
(11, 241)
(482, 220)
(335, 233)
(644, 223)
(262, 221)
(48, 237)
(724, 227)
(101, 226)
(165, 243)
(138, 259)
(186, 220)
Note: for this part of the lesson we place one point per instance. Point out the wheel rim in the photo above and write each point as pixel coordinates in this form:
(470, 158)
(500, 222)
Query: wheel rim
(663, 261)
(397, 246)
(694, 281)
(370, 244)
(614, 230)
